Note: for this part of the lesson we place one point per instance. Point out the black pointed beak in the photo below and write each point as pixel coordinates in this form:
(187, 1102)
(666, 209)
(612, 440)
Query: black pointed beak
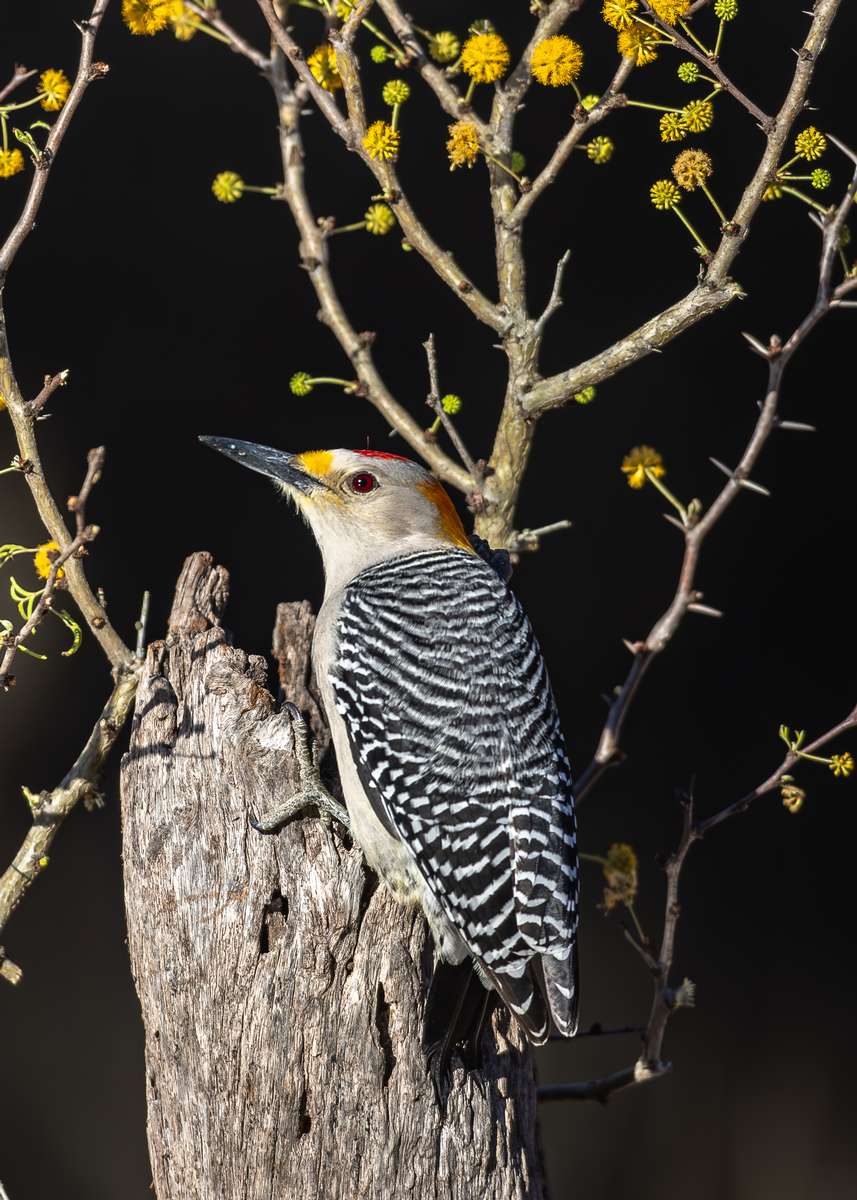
(276, 464)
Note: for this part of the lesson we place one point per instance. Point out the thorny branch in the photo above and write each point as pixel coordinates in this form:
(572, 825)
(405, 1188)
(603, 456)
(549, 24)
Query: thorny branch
(19, 76)
(778, 356)
(434, 403)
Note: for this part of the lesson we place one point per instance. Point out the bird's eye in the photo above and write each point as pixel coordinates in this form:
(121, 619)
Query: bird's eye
(363, 483)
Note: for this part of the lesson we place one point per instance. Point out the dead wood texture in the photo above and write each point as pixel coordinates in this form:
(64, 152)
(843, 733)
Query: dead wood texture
(281, 988)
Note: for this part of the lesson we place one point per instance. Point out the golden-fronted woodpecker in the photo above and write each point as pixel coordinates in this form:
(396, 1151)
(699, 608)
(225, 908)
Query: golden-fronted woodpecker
(447, 738)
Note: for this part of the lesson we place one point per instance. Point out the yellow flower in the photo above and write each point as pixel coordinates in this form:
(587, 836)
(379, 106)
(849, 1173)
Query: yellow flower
(185, 24)
(381, 141)
(322, 63)
(11, 162)
(639, 42)
(43, 560)
(774, 192)
(842, 765)
(2, 403)
(620, 872)
(228, 187)
(444, 47)
(585, 395)
(557, 61)
(811, 143)
(485, 57)
(664, 194)
(451, 404)
(637, 461)
(619, 13)
(301, 383)
(600, 150)
(820, 178)
(589, 101)
(463, 145)
(698, 115)
(688, 72)
(726, 10)
(670, 10)
(379, 219)
(793, 797)
(53, 88)
(396, 91)
(145, 17)
(692, 168)
(673, 127)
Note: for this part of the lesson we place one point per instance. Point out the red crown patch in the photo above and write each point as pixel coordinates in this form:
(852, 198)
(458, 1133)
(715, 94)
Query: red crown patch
(380, 454)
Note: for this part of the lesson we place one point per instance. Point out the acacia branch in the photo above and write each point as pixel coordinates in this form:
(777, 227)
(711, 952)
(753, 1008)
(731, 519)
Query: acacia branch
(236, 42)
(710, 63)
(716, 289)
(314, 251)
(686, 596)
(19, 76)
(434, 402)
(49, 809)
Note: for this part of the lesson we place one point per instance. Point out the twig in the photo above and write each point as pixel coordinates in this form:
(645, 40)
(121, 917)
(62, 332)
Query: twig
(19, 76)
(140, 626)
(778, 357)
(555, 300)
(239, 44)
(315, 258)
(530, 539)
(612, 99)
(84, 534)
(52, 382)
(433, 401)
(710, 63)
(50, 809)
(716, 290)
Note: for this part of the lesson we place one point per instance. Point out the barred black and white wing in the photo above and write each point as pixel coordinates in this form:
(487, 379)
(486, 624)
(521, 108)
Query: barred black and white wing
(444, 693)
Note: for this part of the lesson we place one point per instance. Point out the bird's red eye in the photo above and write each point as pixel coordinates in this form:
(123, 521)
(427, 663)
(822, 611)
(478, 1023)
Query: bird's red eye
(364, 482)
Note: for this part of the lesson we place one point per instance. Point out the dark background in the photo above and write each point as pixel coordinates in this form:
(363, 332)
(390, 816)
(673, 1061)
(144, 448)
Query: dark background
(177, 316)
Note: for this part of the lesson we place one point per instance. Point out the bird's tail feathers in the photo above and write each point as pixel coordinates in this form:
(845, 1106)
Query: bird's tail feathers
(560, 976)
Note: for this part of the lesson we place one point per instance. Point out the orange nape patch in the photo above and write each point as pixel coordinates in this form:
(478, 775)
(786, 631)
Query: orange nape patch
(450, 521)
(317, 462)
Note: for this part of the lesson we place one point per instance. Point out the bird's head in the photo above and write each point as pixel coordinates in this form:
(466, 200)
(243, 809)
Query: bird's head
(363, 506)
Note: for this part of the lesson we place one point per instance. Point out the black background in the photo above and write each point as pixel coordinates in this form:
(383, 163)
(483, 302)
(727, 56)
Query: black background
(177, 316)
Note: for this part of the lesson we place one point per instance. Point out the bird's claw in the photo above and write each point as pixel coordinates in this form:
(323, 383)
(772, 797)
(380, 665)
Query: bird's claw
(312, 792)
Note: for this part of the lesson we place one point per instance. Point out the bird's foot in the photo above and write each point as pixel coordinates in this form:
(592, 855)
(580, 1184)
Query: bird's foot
(312, 792)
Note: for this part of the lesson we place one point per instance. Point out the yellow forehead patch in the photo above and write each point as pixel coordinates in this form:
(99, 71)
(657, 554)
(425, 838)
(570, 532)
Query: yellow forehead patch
(317, 462)
(450, 522)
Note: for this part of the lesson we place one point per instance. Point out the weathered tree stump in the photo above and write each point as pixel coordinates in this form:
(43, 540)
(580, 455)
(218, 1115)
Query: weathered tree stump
(281, 988)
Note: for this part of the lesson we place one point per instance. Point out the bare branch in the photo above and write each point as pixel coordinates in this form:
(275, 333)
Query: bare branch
(315, 258)
(710, 63)
(236, 42)
(52, 382)
(555, 301)
(19, 75)
(433, 400)
(50, 809)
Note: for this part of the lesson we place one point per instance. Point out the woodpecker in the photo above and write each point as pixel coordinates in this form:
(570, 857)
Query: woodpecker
(447, 738)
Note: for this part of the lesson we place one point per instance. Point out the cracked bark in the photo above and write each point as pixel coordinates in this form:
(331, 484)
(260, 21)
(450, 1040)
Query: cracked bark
(281, 988)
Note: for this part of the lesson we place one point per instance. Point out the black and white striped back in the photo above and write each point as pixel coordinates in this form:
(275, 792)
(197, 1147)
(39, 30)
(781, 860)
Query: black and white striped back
(445, 696)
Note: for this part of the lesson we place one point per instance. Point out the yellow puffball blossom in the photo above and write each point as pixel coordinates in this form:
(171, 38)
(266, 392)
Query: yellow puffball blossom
(692, 168)
(322, 63)
(698, 115)
(670, 10)
(379, 219)
(673, 127)
(664, 194)
(146, 17)
(444, 47)
(451, 404)
(463, 145)
(53, 89)
(382, 141)
(639, 42)
(184, 23)
(43, 560)
(557, 61)
(301, 383)
(619, 13)
(774, 192)
(589, 101)
(726, 10)
(228, 187)
(820, 178)
(621, 875)
(636, 461)
(688, 72)
(842, 765)
(811, 143)
(600, 150)
(485, 57)
(11, 162)
(395, 92)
